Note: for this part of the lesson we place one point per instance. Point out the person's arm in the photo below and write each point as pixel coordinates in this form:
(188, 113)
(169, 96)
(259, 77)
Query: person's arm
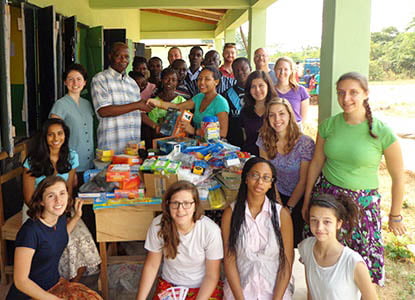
(118, 110)
(263, 154)
(364, 282)
(210, 281)
(224, 123)
(71, 180)
(305, 104)
(22, 261)
(300, 187)
(231, 270)
(150, 269)
(146, 120)
(284, 276)
(394, 163)
(308, 288)
(28, 186)
(314, 170)
(77, 215)
(152, 102)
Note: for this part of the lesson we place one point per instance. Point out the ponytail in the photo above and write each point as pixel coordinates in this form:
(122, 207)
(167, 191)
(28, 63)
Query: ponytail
(369, 117)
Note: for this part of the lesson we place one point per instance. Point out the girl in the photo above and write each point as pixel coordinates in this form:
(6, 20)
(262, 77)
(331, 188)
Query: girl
(40, 243)
(333, 271)
(288, 88)
(258, 92)
(49, 154)
(290, 151)
(258, 238)
(189, 244)
(207, 103)
(348, 152)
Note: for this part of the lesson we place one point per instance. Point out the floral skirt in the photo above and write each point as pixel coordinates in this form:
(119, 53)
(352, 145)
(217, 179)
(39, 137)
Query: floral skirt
(366, 237)
(163, 285)
(73, 291)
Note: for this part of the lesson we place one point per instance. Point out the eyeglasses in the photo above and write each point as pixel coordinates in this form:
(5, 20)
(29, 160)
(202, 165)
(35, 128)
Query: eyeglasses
(185, 205)
(256, 177)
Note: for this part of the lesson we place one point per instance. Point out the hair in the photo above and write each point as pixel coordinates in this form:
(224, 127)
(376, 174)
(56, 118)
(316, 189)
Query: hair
(164, 73)
(35, 207)
(168, 230)
(155, 58)
(172, 48)
(177, 61)
(249, 101)
(229, 45)
(362, 80)
(344, 208)
(292, 82)
(76, 67)
(238, 214)
(138, 60)
(196, 48)
(268, 134)
(241, 59)
(135, 75)
(216, 73)
(39, 153)
(116, 45)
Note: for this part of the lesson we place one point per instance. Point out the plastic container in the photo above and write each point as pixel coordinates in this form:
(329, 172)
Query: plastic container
(210, 128)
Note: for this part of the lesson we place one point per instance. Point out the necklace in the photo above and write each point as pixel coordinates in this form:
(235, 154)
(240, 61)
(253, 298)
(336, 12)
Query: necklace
(48, 224)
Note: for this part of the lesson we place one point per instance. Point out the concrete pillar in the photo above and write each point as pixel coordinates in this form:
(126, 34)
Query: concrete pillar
(230, 36)
(345, 47)
(219, 44)
(257, 18)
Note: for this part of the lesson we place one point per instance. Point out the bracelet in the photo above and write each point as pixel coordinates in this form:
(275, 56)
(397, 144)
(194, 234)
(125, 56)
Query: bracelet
(396, 221)
(395, 216)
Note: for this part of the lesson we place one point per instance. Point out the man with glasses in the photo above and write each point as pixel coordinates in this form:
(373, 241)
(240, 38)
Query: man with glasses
(261, 60)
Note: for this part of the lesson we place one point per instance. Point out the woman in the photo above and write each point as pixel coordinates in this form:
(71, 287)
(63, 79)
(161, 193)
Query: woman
(207, 103)
(40, 243)
(281, 142)
(49, 154)
(189, 244)
(348, 152)
(78, 114)
(258, 238)
(288, 88)
(258, 92)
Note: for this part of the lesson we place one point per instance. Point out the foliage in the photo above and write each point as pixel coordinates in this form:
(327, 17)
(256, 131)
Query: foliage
(396, 248)
(306, 52)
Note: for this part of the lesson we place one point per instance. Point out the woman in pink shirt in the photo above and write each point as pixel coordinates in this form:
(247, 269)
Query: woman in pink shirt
(258, 238)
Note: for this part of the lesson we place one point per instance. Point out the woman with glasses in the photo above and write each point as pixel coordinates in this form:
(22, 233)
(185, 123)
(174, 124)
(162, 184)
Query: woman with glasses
(281, 141)
(188, 243)
(258, 238)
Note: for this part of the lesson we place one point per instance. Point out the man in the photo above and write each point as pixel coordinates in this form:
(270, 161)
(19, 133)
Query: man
(261, 61)
(212, 58)
(229, 55)
(116, 99)
(195, 59)
(180, 66)
(155, 66)
(173, 54)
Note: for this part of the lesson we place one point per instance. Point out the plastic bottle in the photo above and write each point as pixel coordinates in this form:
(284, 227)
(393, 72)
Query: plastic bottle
(210, 128)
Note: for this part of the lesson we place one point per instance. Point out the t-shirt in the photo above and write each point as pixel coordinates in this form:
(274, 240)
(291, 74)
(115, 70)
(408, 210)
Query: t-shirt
(219, 104)
(79, 119)
(295, 97)
(335, 282)
(251, 123)
(158, 113)
(189, 266)
(288, 165)
(352, 155)
(48, 243)
(148, 91)
(235, 96)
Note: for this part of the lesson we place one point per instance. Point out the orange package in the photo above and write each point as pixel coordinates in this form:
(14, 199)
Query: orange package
(118, 173)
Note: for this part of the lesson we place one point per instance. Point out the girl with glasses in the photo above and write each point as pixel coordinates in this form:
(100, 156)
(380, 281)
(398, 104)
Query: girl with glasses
(188, 243)
(258, 238)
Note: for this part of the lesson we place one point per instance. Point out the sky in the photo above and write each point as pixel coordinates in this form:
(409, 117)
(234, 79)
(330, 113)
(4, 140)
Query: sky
(301, 20)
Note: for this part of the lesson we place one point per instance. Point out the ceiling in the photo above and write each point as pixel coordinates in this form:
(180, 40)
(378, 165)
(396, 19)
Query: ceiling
(209, 16)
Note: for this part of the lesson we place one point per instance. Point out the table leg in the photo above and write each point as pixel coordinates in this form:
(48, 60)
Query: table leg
(104, 271)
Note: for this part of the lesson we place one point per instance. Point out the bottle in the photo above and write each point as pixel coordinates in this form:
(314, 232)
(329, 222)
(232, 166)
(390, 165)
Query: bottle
(210, 128)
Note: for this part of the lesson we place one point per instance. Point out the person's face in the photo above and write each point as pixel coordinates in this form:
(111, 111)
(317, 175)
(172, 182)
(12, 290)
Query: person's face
(195, 57)
(229, 54)
(259, 89)
(181, 69)
(351, 95)
(155, 67)
(142, 83)
(278, 118)
(173, 55)
(55, 136)
(120, 59)
(324, 223)
(75, 82)
(206, 82)
(54, 200)
(259, 179)
(212, 59)
(169, 82)
(142, 68)
(283, 71)
(182, 215)
(260, 58)
(241, 72)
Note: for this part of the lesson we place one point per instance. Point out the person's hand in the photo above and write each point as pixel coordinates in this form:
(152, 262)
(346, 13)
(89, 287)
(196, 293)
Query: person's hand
(187, 127)
(304, 213)
(152, 103)
(142, 106)
(396, 225)
(78, 208)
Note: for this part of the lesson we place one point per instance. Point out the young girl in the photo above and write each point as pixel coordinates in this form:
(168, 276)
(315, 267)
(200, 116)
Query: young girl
(281, 142)
(207, 103)
(146, 88)
(258, 238)
(40, 243)
(334, 271)
(258, 92)
(188, 243)
(49, 154)
(288, 88)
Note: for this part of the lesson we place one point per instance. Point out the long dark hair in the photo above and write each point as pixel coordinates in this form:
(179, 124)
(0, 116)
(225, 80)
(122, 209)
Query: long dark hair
(168, 229)
(39, 153)
(238, 214)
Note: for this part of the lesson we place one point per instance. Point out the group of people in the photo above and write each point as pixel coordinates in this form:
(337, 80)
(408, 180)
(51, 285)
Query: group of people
(292, 189)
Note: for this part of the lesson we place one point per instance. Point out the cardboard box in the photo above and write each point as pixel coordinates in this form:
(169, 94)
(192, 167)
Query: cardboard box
(156, 184)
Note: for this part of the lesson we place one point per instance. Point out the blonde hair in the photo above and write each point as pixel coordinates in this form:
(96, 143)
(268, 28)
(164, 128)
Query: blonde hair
(268, 134)
(291, 80)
